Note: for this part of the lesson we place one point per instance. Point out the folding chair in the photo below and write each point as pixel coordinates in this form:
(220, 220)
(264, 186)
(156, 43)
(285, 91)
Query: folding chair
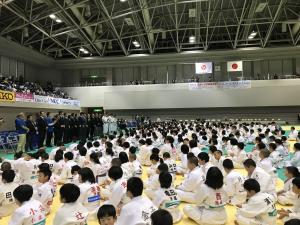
(12, 141)
(3, 142)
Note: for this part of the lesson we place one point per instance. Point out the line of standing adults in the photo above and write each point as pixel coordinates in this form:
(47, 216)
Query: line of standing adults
(62, 127)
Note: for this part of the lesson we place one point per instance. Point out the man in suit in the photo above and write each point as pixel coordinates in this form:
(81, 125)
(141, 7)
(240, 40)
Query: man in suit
(42, 128)
(30, 124)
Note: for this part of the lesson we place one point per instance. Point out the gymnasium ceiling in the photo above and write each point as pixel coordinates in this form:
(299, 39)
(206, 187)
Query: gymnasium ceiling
(81, 28)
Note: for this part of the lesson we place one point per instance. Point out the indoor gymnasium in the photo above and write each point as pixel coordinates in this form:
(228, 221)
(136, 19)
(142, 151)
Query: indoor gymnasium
(149, 112)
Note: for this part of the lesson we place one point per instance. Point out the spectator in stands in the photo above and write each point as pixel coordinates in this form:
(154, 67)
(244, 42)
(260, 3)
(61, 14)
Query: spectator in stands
(22, 130)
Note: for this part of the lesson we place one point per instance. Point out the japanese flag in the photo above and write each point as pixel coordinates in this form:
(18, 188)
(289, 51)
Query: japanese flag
(202, 68)
(234, 66)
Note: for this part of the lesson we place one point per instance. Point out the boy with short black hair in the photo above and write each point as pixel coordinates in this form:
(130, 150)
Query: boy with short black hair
(107, 215)
(27, 205)
(260, 207)
(139, 209)
(71, 211)
(66, 175)
(161, 217)
(7, 201)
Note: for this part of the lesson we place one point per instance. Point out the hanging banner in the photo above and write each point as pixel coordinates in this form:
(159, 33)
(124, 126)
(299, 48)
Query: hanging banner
(243, 84)
(234, 66)
(7, 96)
(203, 67)
(24, 97)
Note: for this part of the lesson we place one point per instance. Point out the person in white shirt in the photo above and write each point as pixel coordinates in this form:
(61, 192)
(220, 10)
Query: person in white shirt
(260, 207)
(82, 158)
(30, 211)
(218, 159)
(138, 169)
(234, 182)
(139, 209)
(89, 191)
(239, 156)
(99, 166)
(60, 146)
(293, 213)
(293, 133)
(169, 147)
(43, 191)
(155, 161)
(166, 197)
(187, 189)
(7, 201)
(58, 164)
(107, 215)
(286, 196)
(194, 147)
(45, 159)
(211, 198)
(115, 194)
(71, 211)
(275, 158)
(145, 152)
(204, 163)
(265, 181)
(66, 174)
(161, 216)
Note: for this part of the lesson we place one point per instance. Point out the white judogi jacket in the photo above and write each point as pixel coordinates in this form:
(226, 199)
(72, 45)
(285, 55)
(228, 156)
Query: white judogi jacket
(118, 193)
(293, 134)
(172, 165)
(265, 180)
(192, 181)
(89, 196)
(196, 151)
(260, 209)
(137, 211)
(28, 171)
(169, 200)
(206, 167)
(295, 210)
(44, 193)
(295, 161)
(266, 165)
(66, 174)
(239, 158)
(234, 186)
(7, 200)
(29, 213)
(71, 214)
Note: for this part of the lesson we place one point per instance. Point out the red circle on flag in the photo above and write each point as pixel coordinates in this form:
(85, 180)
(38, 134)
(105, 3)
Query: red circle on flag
(203, 67)
(234, 66)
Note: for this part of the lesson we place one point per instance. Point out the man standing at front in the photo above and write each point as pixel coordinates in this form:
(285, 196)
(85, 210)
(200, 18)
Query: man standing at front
(22, 130)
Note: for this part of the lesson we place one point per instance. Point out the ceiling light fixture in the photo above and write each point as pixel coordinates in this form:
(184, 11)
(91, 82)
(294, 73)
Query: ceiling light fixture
(52, 16)
(252, 35)
(58, 20)
(192, 39)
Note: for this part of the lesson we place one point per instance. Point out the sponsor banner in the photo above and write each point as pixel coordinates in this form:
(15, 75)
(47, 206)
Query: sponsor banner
(24, 97)
(243, 84)
(56, 101)
(7, 96)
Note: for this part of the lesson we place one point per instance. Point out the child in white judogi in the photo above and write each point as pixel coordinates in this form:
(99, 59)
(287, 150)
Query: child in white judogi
(66, 174)
(204, 163)
(145, 153)
(187, 189)
(7, 201)
(218, 159)
(30, 211)
(43, 190)
(264, 179)
(182, 167)
(274, 155)
(45, 159)
(154, 158)
(139, 209)
(152, 184)
(115, 194)
(293, 213)
(266, 164)
(211, 198)
(293, 133)
(167, 198)
(28, 168)
(239, 157)
(194, 147)
(89, 191)
(286, 196)
(260, 207)
(138, 169)
(71, 211)
(171, 163)
(234, 182)
(295, 161)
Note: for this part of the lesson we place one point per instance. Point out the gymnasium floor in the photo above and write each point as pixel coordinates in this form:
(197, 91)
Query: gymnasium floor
(230, 209)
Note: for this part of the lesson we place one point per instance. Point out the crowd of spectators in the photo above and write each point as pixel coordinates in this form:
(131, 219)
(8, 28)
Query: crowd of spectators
(22, 86)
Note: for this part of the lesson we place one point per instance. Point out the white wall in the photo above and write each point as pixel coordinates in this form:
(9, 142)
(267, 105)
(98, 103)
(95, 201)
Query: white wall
(262, 93)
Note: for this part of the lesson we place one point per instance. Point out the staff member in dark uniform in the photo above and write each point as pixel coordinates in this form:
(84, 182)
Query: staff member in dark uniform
(30, 124)
(56, 130)
(50, 124)
(42, 127)
(82, 123)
